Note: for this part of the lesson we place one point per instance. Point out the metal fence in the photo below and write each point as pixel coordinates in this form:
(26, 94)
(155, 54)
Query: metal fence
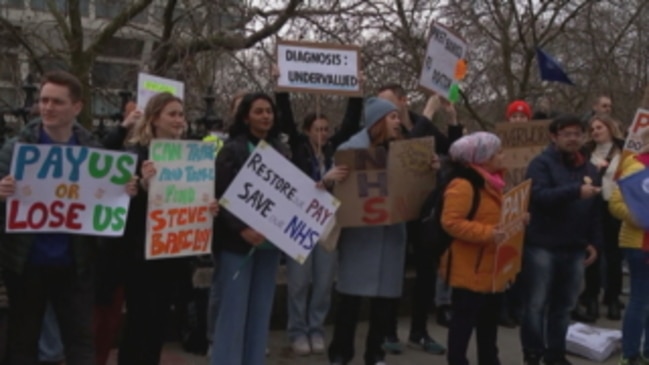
(12, 120)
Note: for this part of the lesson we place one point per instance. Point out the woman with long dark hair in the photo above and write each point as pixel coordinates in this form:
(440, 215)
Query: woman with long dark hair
(312, 150)
(247, 261)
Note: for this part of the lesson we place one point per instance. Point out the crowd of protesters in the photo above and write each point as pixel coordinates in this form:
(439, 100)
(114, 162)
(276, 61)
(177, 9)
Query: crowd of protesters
(66, 292)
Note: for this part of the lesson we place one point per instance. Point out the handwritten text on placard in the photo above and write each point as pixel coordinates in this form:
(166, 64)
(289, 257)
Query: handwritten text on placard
(69, 189)
(180, 223)
(278, 200)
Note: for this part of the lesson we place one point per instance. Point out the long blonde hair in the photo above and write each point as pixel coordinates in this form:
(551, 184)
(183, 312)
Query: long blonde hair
(611, 124)
(144, 130)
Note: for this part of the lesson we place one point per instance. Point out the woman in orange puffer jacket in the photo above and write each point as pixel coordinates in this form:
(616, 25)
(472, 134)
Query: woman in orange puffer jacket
(476, 303)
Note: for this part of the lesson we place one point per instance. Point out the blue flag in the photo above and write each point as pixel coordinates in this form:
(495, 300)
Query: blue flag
(551, 69)
(635, 191)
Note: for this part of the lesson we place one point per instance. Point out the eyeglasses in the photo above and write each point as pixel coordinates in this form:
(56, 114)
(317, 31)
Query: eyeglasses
(571, 134)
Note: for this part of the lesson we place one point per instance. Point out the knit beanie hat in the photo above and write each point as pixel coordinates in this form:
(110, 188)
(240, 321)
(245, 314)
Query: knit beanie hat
(375, 109)
(475, 148)
(519, 106)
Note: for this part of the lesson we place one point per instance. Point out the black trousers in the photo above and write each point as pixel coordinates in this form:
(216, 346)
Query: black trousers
(471, 311)
(611, 256)
(342, 343)
(150, 290)
(72, 298)
(423, 292)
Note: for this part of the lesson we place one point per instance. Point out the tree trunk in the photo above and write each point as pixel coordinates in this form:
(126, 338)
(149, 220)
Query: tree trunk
(80, 66)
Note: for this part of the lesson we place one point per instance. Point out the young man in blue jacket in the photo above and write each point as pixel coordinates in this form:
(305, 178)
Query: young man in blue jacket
(561, 240)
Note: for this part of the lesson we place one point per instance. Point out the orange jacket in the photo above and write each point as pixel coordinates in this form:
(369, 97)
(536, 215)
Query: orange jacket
(473, 248)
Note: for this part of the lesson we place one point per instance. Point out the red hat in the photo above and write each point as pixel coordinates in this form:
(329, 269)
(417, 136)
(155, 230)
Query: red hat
(519, 106)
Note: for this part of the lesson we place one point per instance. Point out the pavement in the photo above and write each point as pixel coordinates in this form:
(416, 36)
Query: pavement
(281, 354)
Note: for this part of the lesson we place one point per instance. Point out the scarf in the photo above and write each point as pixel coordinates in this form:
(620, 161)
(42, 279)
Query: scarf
(495, 179)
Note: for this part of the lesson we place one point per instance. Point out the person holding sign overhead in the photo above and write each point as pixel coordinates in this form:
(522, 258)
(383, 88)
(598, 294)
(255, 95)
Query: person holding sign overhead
(371, 259)
(149, 285)
(312, 152)
(247, 261)
(414, 125)
(45, 266)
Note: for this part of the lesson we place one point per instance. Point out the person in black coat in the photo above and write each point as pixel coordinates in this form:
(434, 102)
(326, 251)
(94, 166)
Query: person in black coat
(414, 126)
(312, 152)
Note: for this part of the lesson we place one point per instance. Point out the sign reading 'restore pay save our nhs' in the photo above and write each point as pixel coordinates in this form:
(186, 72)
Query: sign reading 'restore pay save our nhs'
(280, 202)
(69, 189)
(179, 222)
(319, 68)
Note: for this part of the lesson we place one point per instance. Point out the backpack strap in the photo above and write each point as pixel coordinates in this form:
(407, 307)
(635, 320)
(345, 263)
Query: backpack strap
(475, 204)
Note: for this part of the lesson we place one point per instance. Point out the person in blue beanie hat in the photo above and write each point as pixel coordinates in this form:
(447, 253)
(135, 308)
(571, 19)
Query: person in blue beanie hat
(371, 259)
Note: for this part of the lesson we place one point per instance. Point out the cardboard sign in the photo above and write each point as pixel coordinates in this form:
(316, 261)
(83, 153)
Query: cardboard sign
(385, 188)
(508, 254)
(318, 67)
(179, 221)
(444, 51)
(69, 189)
(148, 86)
(278, 200)
(521, 143)
(633, 143)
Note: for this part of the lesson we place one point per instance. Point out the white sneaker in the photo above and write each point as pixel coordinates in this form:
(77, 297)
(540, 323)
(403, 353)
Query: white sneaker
(301, 346)
(317, 344)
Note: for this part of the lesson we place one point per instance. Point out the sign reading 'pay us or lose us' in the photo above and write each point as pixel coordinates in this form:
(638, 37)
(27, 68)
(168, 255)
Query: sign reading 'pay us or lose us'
(69, 189)
(279, 201)
(318, 67)
(178, 219)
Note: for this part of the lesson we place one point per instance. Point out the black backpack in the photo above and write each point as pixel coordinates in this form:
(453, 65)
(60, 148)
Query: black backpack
(430, 225)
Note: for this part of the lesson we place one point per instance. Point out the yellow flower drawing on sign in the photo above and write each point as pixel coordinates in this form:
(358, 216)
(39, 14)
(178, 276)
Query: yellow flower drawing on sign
(416, 157)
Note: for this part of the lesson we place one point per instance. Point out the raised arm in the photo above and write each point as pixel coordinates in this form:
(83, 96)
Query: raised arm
(351, 123)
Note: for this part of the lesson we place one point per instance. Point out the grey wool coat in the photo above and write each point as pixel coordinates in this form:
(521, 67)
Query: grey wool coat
(371, 259)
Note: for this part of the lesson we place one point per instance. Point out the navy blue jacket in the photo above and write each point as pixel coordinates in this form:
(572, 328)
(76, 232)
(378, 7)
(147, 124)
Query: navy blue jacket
(560, 219)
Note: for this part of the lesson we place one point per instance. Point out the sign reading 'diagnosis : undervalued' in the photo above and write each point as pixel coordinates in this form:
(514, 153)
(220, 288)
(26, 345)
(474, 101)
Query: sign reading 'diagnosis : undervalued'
(179, 222)
(279, 201)
(69, 189)
(318, 67)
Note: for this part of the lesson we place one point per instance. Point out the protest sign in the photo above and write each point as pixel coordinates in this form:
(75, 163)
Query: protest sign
(385, 187)
(279, 201)
(319, 67)
(521, 143)
(148, 86)
(634, 143)
(444, 51)
(508, 254)
(178, 219)
(69, 189)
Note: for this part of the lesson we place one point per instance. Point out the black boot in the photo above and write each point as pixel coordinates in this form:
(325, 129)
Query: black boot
(580, 315)
(614, 311)
(444, 314)
(592, 308)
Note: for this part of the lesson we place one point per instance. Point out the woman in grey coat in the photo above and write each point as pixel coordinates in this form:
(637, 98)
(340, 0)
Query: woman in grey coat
(371, 259)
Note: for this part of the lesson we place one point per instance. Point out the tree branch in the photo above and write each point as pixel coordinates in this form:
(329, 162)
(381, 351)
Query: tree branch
(22, 41)
(116, 24)
(230, 43)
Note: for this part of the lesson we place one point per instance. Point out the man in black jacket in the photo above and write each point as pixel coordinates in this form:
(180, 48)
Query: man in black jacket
(560, 240)
(54, 267)
(414, 126)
